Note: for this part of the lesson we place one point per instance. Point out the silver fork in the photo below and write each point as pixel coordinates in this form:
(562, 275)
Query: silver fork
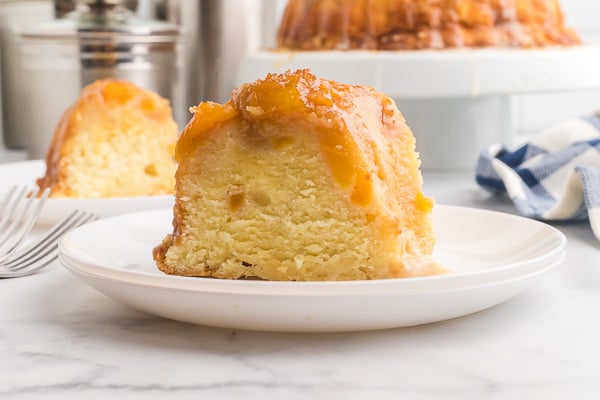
(18, 259)
(18, 215)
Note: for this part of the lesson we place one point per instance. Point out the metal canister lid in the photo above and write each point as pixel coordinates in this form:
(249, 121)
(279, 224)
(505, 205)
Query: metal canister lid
(96, 24)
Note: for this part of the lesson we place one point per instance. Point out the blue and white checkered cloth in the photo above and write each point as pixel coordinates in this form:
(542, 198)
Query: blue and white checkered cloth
(553, 177)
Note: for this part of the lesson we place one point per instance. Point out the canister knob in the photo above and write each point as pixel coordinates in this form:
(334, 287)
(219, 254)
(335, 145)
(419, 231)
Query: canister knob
(101, 3)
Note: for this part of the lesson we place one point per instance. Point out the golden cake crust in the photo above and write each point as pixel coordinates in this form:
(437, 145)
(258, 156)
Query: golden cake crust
(115, 140)
(422, 24)
(366, 149)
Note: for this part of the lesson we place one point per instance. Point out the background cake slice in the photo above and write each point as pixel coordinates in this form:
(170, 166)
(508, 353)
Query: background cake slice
(116, 140)
(299, 178)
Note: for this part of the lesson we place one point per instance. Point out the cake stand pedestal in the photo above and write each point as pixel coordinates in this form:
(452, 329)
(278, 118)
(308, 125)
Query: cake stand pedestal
(457, 102)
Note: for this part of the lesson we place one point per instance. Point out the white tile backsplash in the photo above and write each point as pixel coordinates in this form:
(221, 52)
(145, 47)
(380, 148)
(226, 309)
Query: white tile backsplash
(583, 16)
(538, 111)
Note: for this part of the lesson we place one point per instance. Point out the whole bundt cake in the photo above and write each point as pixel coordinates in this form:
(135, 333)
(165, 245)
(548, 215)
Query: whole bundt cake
(422, 24)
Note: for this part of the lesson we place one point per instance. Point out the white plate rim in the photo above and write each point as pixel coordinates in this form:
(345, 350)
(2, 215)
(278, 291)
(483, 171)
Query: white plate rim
(25, 173)
(326, 288)
(199, 284)
(306, 313)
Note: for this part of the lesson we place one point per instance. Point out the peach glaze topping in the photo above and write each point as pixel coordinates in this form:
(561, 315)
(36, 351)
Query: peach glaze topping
(345, 117)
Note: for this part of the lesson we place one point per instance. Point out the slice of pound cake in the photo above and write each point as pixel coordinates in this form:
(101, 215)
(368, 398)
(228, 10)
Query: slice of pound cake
(116, 140)
(299, 178)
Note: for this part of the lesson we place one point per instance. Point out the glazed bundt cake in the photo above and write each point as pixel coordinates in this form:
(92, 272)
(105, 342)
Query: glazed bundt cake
(298, 178)
(116, 140)
(422, 24)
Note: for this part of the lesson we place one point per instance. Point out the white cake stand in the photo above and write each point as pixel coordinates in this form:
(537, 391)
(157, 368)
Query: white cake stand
(457, 102)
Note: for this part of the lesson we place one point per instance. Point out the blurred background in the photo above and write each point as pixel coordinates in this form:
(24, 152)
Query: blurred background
(186, 50)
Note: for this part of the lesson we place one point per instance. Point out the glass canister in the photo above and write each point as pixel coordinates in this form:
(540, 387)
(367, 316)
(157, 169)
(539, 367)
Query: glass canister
(100, 39)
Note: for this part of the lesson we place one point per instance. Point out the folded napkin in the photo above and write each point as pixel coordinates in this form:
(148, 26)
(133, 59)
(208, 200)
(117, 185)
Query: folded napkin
(553, 177)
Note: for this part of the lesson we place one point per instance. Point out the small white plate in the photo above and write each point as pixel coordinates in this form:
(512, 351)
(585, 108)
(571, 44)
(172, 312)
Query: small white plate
(25, 173)
(493, 257)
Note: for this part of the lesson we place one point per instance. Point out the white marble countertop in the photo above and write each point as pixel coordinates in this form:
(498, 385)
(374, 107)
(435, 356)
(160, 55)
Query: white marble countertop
(60, 339)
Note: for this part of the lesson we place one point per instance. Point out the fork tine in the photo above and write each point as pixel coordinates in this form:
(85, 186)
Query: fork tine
(13, 211)
(43, 251)
(6, 199)
(72, 220)
(10, 204)
(23, 222)
(40, 262)
(25, 272)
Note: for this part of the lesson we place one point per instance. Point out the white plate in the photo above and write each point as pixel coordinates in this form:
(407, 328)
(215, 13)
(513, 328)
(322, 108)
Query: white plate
(435, 74)
(493, 257)
(25, 173)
